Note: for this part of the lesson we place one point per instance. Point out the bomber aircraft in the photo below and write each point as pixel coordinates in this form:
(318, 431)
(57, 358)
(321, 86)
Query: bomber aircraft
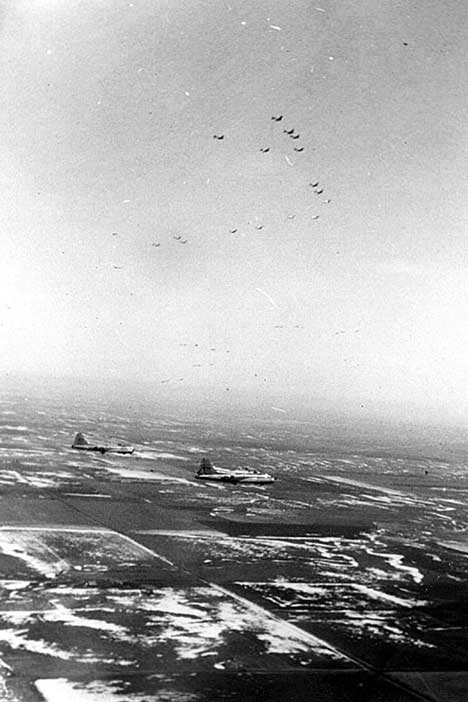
(82, 444)
(207, 471)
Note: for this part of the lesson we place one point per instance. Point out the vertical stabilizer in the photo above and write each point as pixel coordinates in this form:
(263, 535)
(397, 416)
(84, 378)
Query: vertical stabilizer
(206, 467)
(80, 440)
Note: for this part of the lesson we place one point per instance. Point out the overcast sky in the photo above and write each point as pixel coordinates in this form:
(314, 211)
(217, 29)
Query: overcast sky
(108, 112)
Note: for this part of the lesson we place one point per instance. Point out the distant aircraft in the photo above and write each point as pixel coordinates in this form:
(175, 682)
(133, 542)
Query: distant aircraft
(266, 150)
(219, 137)
(82, 444)
(277, 119)
(296, 149)
(289, 131)
(207, 471)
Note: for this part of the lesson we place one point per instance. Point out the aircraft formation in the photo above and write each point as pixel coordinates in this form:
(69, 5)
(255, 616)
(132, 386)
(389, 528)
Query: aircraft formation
(206, 471)
(318, 189)
(282, 135)
(294, 135)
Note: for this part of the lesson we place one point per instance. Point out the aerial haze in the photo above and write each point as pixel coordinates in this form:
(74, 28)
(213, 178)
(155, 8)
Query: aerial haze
(355, 296)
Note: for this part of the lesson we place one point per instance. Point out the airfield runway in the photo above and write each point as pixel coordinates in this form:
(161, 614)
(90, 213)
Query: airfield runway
(124, 579)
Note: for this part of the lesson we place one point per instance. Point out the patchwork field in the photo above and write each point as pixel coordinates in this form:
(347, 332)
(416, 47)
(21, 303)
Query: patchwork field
(123, 578)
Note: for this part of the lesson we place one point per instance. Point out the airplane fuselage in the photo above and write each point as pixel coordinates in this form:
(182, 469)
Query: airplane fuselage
(105, 449)
(237, 476)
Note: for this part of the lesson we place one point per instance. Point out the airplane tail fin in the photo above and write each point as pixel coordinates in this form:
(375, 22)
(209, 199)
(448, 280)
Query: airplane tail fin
(80, 440)
(206, 467)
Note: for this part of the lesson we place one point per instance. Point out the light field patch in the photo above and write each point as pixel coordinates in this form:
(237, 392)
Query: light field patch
(52, 551)
(35, 479)
(59, 689)
(460, 547)
(139, 474)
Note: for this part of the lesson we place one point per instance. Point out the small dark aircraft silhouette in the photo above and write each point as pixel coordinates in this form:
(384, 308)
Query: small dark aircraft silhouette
(277, 119)
(219, 137)
(288, 131)
(319, 192)
(295, 136)
(156, 245)
(314, 185)
(233, 231)
(301, 149)
(266, 150)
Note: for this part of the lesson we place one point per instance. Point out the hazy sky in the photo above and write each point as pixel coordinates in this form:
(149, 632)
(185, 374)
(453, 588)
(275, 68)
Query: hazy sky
(108, 111)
